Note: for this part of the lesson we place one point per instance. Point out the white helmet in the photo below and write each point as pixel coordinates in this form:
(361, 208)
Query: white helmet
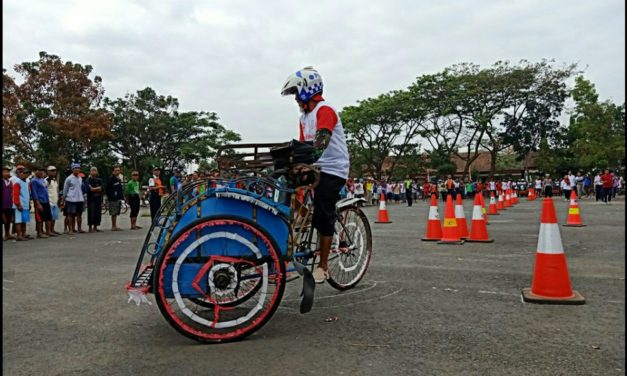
(305, 83)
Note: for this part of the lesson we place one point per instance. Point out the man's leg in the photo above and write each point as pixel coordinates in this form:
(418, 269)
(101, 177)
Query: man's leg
(114, 219)
(325, 248)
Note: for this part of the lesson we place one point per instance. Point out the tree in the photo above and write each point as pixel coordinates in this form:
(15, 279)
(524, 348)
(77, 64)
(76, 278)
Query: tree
(55, 115)
(537, 96)
(596, 130)
(380, 128)
(149, 130)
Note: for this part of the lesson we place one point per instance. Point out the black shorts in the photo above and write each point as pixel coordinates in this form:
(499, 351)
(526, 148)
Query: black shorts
(45, 214)
(326, 195)
(7, 215)
(74, 208)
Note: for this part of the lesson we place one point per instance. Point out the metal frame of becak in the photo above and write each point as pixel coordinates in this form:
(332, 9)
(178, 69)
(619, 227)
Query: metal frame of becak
(215, 258)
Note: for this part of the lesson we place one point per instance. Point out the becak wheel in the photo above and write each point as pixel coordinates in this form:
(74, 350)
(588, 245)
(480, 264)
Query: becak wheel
(212, 280)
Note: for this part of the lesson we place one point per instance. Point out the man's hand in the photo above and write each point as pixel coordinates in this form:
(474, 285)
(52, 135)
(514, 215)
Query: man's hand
(38, 207)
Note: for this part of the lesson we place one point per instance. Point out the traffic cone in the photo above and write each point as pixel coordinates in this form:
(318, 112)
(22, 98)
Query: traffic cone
(460, 216)
(551, 283)
(500, 204)
(450, 231)
(478, 229)
(530, 195)
(383, 211)
(434, 227)
(514, 197)
(574, 218)
(508, 199)
(483, 211)
(492, 210)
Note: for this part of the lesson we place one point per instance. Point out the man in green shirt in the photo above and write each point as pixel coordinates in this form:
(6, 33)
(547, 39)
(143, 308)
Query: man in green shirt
(132, 197)
(176, 181)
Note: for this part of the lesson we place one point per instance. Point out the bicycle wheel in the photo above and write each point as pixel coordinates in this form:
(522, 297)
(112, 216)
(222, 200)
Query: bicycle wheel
(123, 207)
(105, 207)
(351, 249)
(212, 282)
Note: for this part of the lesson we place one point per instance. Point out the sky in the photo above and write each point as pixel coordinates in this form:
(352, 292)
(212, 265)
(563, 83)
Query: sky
(232, 57)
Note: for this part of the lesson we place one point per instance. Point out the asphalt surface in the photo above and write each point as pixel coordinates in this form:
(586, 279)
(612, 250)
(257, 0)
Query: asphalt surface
(422, 308)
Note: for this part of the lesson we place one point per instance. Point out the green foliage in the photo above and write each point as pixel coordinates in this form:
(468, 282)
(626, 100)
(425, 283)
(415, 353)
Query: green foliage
(149, 130)
(597, 130)
(380, 128)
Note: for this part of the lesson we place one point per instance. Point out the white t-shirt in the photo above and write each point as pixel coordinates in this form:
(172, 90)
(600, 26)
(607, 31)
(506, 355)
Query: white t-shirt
(53, 191)
(359, 189)
(538, 184)
(597, 180)
(334, 160)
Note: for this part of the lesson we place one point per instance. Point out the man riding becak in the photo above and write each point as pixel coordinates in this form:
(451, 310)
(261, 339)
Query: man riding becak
(320, 124)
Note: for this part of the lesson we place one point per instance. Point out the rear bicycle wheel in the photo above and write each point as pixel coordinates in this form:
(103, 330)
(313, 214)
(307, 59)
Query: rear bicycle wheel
(351, 249)
(212, 282)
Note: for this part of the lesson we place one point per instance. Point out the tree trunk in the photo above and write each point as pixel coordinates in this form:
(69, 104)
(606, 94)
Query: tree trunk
(493, 156)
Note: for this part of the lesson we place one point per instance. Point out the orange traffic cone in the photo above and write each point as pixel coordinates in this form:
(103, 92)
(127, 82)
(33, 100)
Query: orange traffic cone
(450, 231)
(483, 211)
(516, 197)
(478, 229)
(513, 196)
(434, 227)
(383, 211)
(500, 204)
(551, 283)
(508, 199)
(530, 195)
(574, 218)
(492, 210)
(460, 216)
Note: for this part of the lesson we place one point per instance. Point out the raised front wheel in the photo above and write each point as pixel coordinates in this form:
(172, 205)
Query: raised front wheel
(351, 249)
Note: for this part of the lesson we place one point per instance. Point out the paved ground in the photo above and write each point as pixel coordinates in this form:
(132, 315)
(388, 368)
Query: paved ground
(422, 309)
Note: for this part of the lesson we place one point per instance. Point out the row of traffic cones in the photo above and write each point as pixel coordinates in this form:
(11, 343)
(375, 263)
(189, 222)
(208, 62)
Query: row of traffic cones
(454, 229)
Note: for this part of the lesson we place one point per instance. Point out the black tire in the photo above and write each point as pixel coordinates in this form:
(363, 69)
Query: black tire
(343, 276)
(192, 324)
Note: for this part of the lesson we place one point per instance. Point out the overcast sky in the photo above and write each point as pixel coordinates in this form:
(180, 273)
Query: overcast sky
(233, 56)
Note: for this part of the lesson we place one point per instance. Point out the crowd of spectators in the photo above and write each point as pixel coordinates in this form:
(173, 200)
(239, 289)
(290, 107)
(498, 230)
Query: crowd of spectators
(604, 186)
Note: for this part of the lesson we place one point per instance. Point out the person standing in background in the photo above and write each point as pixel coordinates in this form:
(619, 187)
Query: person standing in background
(115, 194)
(155, 188)
(547, 184)
(587, 182)
(175, 181)
(7, 202)
(409, 185)
(94, 200)
(132, 196)
(566, 187)
(39, 194)
(53, 195)
(74, 200)
(607, 182)
(21, 204)
(579, 184)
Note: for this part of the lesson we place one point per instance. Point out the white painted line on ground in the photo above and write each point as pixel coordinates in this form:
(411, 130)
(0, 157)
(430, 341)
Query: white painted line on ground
(338, 295)
(496, 293)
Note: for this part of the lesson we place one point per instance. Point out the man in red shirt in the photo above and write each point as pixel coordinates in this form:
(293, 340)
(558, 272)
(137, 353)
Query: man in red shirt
(607, 182)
